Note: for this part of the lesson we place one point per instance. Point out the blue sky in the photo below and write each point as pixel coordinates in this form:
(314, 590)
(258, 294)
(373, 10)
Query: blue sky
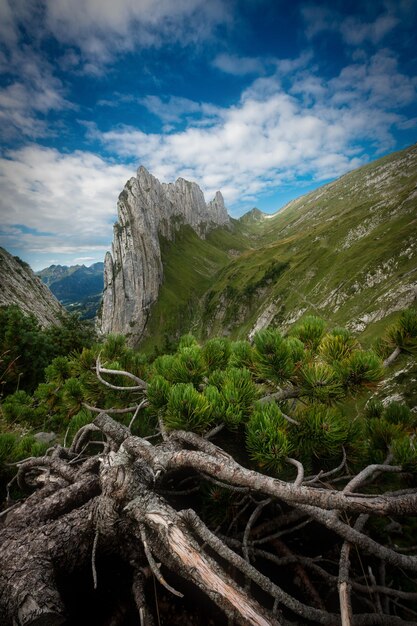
(262, 99)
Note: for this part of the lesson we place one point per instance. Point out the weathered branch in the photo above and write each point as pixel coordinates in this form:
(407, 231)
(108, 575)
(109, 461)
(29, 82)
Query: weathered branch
(392, 357)
(230, 471)
(367, 473)
(282, 394)
(322, 617)
(140, 386)
(201, 569)
(365, 543)
(56, 527)
(344, 583)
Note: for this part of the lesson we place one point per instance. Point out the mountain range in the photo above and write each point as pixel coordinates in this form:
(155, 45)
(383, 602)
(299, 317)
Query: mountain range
(78, 288)
(346, 251)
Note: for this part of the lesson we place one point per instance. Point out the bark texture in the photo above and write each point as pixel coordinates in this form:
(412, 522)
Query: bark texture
(126, 502)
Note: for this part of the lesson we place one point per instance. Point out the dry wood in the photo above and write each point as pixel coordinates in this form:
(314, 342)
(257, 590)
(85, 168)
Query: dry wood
(113, 497)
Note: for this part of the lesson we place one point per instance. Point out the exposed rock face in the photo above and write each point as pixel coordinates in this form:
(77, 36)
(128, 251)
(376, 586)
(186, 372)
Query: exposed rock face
(133, 272)
(19, 285)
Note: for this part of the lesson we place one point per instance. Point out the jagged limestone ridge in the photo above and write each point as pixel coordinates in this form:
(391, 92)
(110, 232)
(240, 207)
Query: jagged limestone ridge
(133, 272)
(19, 285)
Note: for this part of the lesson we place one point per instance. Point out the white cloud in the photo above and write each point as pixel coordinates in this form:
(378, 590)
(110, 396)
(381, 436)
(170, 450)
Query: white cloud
(315, 129)
(71, 197)
(377, 82)
(172, 109)
(354, 31)
(242, 66)
(94, 32)
(239, 66)
(31, 92)
(101, 28)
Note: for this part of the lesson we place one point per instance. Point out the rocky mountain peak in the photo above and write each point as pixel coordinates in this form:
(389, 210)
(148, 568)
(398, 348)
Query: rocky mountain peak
(19, 285)
(133, 273)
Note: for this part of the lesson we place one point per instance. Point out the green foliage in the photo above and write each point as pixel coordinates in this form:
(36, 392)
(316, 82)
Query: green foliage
(80, 419)
(27, 446)
(158, 392)
(217, 403)
(405, 453)
(14, 447)
(187, 341)
(296, 348)
(58, 371)
(321, 433)
(344, 333)
(7, 444)
(273, 356)
(310, 331)
(390, 428)
(398, 413)
(336, 346)
(162, 366)
(198, 387)
(242, 355)
(237, 393)
(73, 394)
(17, 407)
(320, 382)
(187, 409)
(27, 349)
(216, 354)
(373, 408)
(403, 334)
(266, 437)
(188, 366)
(361, 369)
(381, 436)
(71, 335)
(113, 347)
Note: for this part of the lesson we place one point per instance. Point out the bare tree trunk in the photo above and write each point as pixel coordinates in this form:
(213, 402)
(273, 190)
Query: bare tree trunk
(110, 503)
(29, 562)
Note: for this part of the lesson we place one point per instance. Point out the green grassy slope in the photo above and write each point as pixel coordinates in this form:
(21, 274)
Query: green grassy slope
(350, 251)
(347, 252)
(190, 266)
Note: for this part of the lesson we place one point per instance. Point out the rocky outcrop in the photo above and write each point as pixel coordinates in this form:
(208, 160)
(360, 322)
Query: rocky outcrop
(19, 285)
(133, 271)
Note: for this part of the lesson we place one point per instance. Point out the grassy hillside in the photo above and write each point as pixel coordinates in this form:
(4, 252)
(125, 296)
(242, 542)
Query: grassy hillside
(191, 265)
(347, 252)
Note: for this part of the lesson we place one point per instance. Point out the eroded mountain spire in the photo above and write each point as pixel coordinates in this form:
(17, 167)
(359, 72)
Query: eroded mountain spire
(133, 271)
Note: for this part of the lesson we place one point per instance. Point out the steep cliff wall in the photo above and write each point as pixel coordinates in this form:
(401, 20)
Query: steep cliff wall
(133, 271)
(19, 285)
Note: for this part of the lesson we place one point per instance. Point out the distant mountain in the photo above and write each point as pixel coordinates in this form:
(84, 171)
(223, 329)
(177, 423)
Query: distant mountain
(78, 288)
(19, 285)
(254, 215)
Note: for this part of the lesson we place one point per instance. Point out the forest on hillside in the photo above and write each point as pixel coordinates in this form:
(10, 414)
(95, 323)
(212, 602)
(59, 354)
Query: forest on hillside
(213, 482)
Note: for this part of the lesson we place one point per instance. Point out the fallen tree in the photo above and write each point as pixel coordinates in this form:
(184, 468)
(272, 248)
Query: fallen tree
(186, 507)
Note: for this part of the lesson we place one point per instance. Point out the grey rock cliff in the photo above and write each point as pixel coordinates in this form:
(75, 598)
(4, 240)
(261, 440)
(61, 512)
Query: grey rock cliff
(133, 271)
(19, 285)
